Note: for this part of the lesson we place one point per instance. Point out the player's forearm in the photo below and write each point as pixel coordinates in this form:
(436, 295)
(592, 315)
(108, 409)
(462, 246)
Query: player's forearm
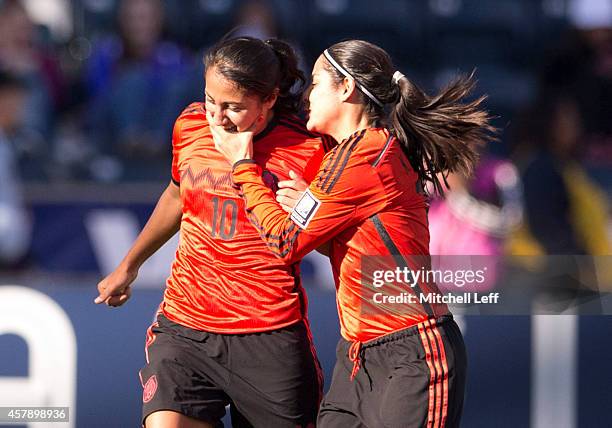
(161, 226)
(260, 201)
(279, 233)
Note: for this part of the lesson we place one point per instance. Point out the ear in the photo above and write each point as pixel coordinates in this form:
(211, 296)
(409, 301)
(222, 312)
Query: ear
(271, 100)
(348, 88)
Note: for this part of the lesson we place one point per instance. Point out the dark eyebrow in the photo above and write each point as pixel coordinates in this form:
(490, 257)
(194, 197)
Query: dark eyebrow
(229, 103)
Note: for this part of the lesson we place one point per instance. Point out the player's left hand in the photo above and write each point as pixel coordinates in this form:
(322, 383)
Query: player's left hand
(290, 191)
(235, 146)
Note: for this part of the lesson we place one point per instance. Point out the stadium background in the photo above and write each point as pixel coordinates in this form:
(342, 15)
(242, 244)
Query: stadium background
(90, 155)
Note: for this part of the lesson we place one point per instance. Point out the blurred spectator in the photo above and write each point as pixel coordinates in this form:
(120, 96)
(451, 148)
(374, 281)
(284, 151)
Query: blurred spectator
(476, 216)
(14, 221)
(138, 84)
(583, 65)
(477, 213)
(566, 212)
(22, 55)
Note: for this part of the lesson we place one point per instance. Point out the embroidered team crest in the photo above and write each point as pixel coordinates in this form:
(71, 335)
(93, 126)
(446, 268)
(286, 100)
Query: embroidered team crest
(305, 209)
(270, 180)
(149, 389)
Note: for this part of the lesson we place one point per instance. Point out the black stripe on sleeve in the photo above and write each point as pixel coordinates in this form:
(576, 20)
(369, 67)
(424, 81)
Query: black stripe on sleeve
(344, 162)
(339, 155)
(382, 152)
(327, 167)
(287, 238)
(328, 143)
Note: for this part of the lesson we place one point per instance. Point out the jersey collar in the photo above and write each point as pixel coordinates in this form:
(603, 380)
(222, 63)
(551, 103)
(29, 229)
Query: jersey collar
(271, 125)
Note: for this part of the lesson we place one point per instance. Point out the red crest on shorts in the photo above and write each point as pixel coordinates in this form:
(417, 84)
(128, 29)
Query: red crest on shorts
(149, 389)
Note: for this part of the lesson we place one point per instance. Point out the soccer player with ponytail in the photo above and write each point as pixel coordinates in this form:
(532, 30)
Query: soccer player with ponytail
(397, 365)
(232, 328)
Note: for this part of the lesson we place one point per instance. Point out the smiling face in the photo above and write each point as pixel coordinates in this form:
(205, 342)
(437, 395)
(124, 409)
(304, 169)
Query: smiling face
(231, 107)
(324, 99)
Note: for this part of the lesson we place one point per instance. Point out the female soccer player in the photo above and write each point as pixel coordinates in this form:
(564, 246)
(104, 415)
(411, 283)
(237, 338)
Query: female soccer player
(232, 327)
(398, 365)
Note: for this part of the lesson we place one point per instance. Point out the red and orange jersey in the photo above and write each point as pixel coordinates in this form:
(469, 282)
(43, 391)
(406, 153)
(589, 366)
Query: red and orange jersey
(224, 279)
(365, 201)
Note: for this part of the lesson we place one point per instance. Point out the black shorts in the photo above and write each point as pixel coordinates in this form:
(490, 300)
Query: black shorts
(408, 379)
(269, 379)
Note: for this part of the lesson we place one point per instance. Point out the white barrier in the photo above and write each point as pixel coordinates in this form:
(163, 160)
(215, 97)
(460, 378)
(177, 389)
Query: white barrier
(52, 351)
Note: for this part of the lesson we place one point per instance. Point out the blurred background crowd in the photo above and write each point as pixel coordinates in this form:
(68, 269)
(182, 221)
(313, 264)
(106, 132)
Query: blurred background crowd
(89, 90)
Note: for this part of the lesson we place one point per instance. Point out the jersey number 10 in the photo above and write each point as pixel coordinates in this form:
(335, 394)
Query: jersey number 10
(219, 228)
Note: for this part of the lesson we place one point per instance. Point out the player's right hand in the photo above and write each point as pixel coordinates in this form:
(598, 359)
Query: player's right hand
(290, 191)
(115, 290)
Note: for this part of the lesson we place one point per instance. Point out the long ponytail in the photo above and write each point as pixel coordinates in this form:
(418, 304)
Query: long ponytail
(440, 134)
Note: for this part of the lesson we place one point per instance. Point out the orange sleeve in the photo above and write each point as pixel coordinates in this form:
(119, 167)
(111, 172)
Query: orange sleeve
(332, 203)
(176, 139)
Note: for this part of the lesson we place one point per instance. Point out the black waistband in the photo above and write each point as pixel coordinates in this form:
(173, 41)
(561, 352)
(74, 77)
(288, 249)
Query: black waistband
(409, 331)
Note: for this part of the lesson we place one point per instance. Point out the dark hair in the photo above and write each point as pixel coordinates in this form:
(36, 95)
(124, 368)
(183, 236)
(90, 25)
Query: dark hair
(260, 67)
(439, 134)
